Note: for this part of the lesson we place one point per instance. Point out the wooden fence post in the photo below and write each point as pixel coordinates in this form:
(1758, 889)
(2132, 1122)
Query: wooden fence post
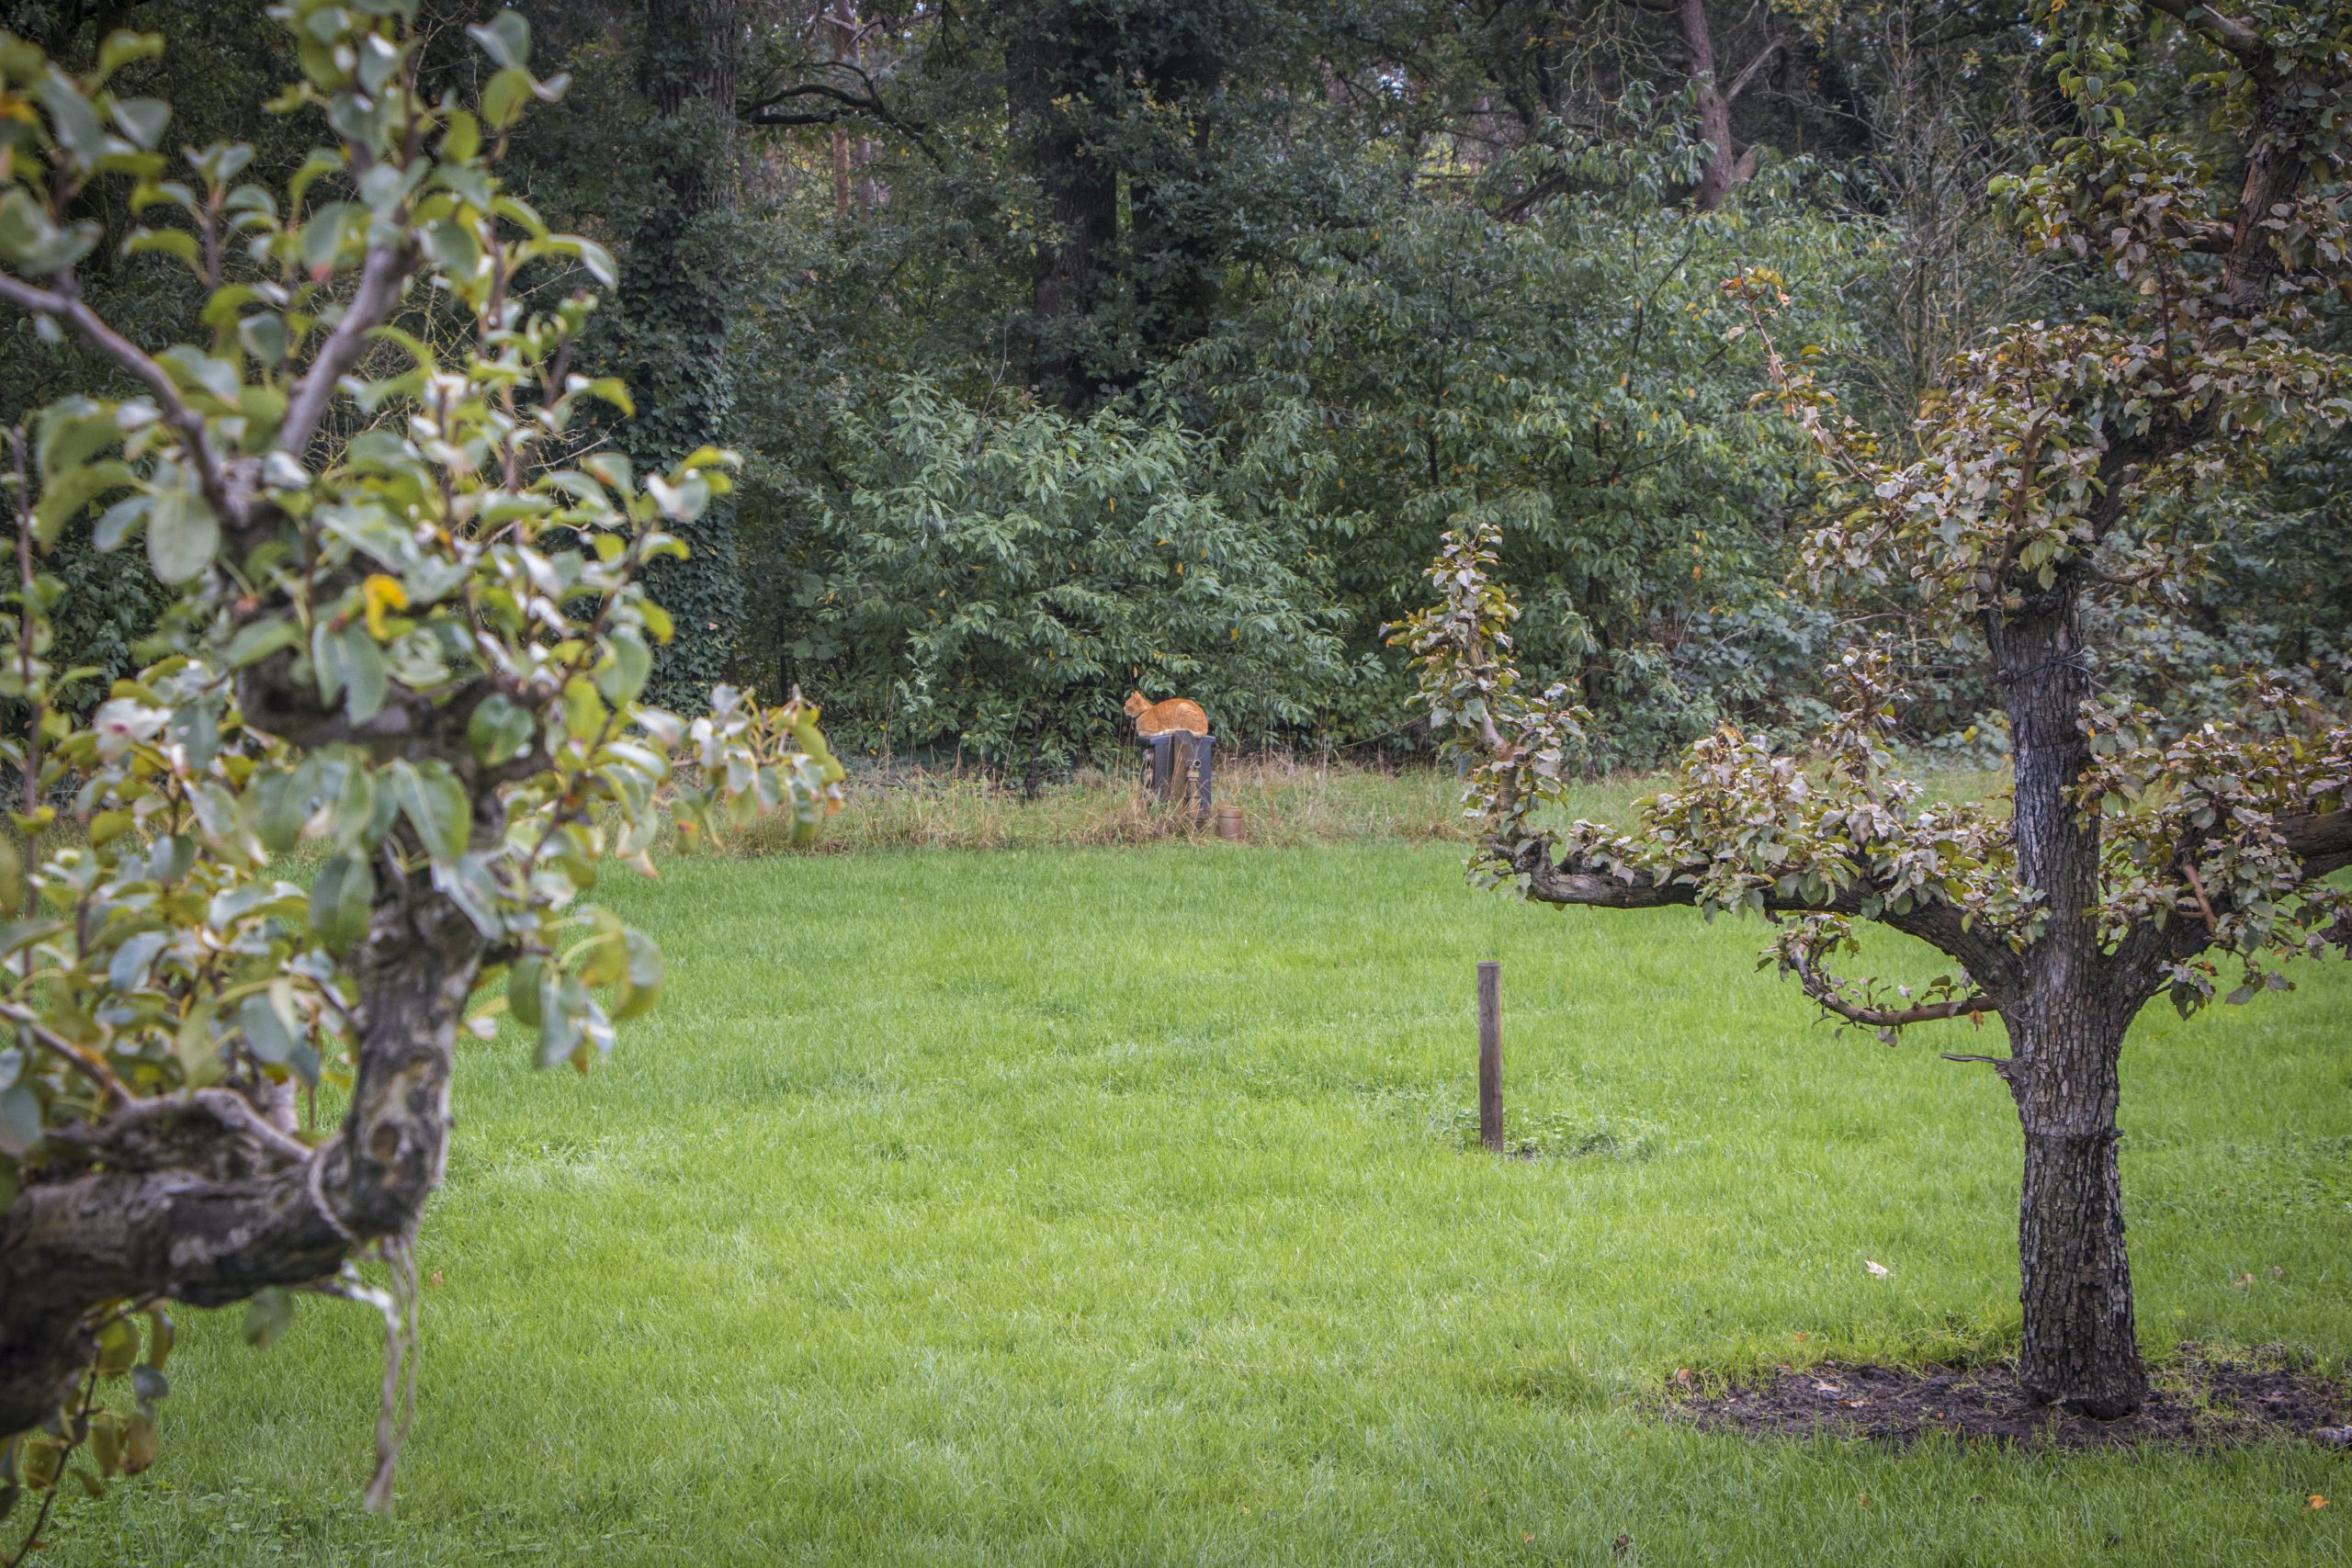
(1490, 1055)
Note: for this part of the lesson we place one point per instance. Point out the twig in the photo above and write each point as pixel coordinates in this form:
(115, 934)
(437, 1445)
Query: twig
(49, 1499)
(2197, 885)
(1824, 990)
(75, 1056)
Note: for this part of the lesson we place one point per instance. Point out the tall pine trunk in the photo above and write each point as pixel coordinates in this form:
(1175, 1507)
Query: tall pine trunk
(2067, 1021)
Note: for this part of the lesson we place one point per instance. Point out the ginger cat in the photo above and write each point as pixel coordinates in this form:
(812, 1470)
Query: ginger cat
(1157, 718)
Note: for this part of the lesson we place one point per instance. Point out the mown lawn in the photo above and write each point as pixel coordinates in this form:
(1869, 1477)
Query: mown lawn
(1107, 1207)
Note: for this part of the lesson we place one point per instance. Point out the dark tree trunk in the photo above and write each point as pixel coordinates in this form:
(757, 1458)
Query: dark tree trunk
(1081, 194)
(200, 1200)
(1720, 172)
(676, 307)
(2066, 1023)
(2081, 1349)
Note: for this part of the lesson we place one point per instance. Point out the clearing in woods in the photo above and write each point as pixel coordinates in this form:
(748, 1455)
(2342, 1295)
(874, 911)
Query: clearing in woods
(1093, 1206)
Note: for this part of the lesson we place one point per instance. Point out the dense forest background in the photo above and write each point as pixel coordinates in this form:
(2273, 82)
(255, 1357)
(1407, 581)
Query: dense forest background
(1076, 345)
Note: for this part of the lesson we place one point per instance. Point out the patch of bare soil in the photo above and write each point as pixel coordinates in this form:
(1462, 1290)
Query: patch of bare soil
(2200, 1402)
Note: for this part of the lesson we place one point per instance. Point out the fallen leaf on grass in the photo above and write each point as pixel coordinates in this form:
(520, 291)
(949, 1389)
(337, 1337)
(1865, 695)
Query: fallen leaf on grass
(1880, 1269)
(2316, 1503)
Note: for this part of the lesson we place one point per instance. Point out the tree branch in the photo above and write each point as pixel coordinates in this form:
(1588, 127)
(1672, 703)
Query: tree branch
(2324, 841)
(1749, 72)
(87, 1063)
(65, 304)
(2232, 35)
(379, 288)
(765, 110)
(1825, 990)
(1577, 881)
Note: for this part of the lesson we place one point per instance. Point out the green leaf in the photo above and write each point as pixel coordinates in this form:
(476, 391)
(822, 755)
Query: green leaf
(284, 797)
(584, 710)
(182, 534)
(363, 673)
(453, 248)
(123, 46)
(72, 116)
(503, 99)
(19, 1120)
(434, 803)
(128, 969)
(270, 1034)
(625, 677)
(641, 986)
(143, 119)
(599, 262)
(506, 39)
(115, 524)
(463, 138)
(118, 1348)
(523, 988)
(342, 899)
(499, 730)
(259, 639)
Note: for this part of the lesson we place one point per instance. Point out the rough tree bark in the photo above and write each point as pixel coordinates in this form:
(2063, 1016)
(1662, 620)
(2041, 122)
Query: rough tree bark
(2067, 1017)
(1728, 164)
(203, 1201)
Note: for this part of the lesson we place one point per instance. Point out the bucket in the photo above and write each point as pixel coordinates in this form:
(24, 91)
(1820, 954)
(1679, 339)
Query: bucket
(1228, 822)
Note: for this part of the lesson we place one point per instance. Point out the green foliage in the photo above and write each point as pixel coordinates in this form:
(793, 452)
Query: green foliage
(1565, 380)
(999, 582)
(2100, 458)
(417, 653)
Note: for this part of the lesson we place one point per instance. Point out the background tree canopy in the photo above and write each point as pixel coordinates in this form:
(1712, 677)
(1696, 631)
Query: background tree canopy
(1013, 307)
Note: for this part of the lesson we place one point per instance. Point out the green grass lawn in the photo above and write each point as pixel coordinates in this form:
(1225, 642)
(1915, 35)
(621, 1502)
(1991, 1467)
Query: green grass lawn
(1108, 1207)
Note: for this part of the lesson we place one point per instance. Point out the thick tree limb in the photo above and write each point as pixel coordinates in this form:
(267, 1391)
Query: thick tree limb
(2148, 950)
(1575, 882)
(380, 280)
(65, 304)
(2232, 35)
(767, 109)
(2325, 842)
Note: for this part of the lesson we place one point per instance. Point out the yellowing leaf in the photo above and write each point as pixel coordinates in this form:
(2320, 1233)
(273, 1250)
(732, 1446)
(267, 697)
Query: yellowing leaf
(382, 592)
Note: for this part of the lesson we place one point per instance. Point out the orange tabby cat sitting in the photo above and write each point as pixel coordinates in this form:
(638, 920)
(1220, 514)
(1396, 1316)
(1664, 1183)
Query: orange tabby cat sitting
(1157, 718)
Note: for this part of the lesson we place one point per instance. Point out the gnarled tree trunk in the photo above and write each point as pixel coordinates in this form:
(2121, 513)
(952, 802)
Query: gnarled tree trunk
(199, 1199)
(1720, 172)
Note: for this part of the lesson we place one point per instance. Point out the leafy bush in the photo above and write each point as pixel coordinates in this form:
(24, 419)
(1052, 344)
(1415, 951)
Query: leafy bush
(997, 581)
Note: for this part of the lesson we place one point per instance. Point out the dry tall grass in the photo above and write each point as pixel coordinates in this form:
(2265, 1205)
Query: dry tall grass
(1282, 802)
